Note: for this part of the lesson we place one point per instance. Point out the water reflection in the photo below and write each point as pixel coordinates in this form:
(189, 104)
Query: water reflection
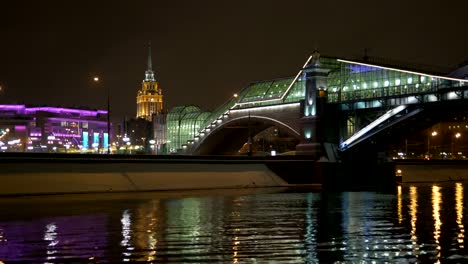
(126, 230)
(413, 206)
(436, 202)
(51, 236)
(400, 203)
(420, 223)
(459, 210)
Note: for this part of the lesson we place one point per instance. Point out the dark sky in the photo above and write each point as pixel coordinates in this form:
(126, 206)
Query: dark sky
(204, 51)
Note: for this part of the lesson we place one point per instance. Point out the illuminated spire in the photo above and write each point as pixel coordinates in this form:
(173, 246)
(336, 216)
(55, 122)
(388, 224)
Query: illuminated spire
(149, 74)
(150, 66)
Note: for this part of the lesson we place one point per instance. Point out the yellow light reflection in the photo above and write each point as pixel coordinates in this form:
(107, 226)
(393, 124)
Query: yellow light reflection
(152, 243)
(146, 222)
(414, 215)
(399, 197)
(459, 210)
(235, 250)
(436, 202)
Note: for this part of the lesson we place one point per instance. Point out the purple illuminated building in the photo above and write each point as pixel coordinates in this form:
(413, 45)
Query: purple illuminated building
(26, 128)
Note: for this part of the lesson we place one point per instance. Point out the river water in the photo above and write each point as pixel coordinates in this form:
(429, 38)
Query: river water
(421, 223)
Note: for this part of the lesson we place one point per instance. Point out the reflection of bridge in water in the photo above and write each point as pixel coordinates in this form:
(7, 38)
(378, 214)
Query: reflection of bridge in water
(332, 105)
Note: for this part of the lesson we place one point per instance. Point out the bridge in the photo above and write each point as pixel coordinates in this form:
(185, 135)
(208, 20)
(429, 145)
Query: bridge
(331, 106)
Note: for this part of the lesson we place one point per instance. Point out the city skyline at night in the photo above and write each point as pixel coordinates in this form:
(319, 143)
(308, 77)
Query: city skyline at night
(203, 53)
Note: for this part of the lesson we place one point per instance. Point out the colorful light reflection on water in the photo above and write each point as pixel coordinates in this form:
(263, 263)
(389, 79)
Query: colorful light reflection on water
(419, 223)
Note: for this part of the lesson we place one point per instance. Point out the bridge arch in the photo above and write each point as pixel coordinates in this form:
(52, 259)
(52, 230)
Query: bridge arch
(234, 133)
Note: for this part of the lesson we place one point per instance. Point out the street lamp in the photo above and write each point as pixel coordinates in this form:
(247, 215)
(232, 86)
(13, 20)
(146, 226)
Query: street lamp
(433, 134)
(456, 136)
(152, 142)
(127, 142)
(96, 79)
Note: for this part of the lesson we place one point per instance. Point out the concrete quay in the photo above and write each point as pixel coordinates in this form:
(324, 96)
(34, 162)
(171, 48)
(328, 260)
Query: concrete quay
(32, 173)
(412, 171)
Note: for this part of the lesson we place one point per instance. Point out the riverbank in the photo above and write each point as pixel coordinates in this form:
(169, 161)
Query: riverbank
(432, 170)
(30, 173)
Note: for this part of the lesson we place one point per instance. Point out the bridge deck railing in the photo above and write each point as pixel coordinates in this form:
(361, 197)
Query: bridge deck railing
(389, 92)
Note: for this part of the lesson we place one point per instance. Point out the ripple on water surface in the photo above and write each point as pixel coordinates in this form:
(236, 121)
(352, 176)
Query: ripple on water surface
(420, 223)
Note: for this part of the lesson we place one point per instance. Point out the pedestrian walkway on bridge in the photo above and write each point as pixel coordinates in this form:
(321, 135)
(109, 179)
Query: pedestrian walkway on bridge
(349, 84)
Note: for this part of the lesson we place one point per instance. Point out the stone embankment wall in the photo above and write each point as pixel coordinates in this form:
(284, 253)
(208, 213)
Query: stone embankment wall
(85, 177)
(432, 170)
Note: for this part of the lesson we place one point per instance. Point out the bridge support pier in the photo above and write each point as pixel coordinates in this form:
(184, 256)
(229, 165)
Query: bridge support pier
(312, 143)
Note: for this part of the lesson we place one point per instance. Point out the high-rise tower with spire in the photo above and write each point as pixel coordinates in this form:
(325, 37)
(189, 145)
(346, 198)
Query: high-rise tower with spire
(149, 98)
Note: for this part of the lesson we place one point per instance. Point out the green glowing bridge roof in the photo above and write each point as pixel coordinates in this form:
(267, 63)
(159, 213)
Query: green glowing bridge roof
(347, 81)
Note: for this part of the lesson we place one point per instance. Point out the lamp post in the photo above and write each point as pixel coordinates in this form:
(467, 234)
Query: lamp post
(152, 146)
(456, 136)
(433, 134)
(96, 79)
(127, 142)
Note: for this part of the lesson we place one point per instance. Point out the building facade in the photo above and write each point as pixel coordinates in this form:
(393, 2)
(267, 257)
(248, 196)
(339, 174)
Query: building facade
(159, 143)
(149, 98)
(52, 129)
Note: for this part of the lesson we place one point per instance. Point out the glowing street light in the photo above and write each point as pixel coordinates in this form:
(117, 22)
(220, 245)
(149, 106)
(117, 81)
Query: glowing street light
(433, 134)
(152, 145)
(96, 79)
(457, 136)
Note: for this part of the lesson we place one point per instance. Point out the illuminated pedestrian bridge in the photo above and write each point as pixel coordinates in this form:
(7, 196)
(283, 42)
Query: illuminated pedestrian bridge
(330, 100)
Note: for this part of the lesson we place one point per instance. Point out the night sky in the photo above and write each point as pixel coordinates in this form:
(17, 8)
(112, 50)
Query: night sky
(205, 51)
